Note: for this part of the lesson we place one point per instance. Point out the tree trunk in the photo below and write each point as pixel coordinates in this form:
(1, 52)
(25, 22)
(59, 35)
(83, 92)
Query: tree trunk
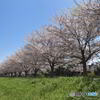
(15, 74)
(84, 63)
(52, 70)
(11, 74)
(26, 73)
(84, 69)
(19, 74)
(35, 72)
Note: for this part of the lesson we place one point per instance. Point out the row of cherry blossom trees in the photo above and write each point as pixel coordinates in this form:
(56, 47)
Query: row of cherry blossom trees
(74, 39)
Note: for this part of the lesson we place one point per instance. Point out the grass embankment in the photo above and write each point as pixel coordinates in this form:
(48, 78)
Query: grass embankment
(47, 88)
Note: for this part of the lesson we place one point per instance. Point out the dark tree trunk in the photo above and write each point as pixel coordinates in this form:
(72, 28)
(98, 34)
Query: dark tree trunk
(5, 74)
(11, 74)
(84, 69)
(26, 73)
(35, 72)
(19, 74)
(52, 70)
(84, 63)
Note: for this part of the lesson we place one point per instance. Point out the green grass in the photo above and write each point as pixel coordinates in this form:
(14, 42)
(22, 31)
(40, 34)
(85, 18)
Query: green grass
(47, 88)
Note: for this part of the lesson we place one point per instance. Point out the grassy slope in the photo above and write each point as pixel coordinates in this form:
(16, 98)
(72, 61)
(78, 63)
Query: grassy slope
(46, 88)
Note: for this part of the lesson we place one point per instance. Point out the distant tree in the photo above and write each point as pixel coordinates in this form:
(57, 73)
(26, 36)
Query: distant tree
(51, 54)
(33, 57)
(23, 62)
(9, 66)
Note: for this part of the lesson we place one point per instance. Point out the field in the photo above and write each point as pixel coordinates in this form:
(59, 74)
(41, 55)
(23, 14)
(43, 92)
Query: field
(48, 88)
